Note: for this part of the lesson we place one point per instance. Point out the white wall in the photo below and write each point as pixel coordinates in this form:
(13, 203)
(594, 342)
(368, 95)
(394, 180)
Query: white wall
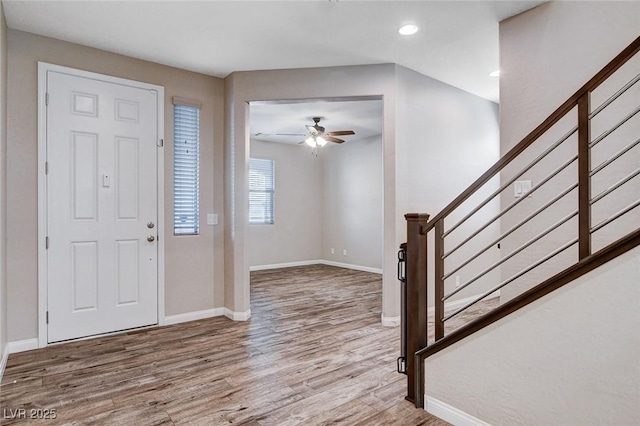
(547, 54)
(352, 203)
(570, 358)
(446, 139)
(296, 234)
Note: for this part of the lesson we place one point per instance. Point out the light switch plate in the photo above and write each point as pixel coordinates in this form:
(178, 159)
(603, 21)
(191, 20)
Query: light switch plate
(212, 219)
(521, 187)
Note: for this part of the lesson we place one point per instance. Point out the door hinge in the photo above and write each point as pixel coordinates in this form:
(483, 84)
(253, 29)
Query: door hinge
(47, 317)
(160, 142)
(46, 99)
(46, 243)
(46, 167)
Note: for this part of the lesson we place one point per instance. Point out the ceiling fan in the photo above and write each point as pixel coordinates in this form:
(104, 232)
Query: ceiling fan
(317, 135)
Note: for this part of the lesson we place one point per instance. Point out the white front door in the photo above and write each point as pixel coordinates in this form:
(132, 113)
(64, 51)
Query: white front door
(102, 256)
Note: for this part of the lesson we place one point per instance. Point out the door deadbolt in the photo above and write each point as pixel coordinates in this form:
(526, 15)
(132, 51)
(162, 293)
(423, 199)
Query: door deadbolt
(150, 225)
(151, 238)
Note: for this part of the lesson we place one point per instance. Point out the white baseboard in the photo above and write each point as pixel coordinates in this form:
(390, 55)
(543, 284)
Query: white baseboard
(451, 414)
(316, 262)
(285, 265)
(450, 306)
(456, 304)
(350, 266)
(389, 321)
(192, 316)
(237, 316)
(22, 345)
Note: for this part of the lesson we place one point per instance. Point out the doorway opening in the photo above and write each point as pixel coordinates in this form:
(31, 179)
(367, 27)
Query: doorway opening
(327, 198)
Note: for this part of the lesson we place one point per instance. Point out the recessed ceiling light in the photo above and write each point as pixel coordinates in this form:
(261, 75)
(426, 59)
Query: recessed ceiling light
(495, 73)
(408, 29)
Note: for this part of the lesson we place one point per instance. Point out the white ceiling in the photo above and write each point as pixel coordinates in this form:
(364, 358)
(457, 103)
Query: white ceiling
(457, 44)
(268, 120)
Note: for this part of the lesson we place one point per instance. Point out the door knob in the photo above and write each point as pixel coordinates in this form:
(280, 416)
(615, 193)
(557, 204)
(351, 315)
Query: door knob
(150, 225)
(151, 238)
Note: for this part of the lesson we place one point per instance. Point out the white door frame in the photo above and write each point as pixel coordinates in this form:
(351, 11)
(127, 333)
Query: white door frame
(43, 68)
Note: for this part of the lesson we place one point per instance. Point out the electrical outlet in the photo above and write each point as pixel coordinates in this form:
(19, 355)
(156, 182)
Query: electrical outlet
(344, 252)
(457, 280)
(333, 251)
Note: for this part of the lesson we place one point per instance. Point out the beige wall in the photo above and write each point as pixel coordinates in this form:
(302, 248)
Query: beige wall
(243, 87)
(3, 183)
(436, 140)
(446, 139)
(571, 357)
(332, 200)
(296, 234)
(547, 54)
(193, 264)
(352, 203)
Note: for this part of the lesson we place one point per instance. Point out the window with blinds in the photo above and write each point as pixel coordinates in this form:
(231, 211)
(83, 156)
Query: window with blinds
(186, 167)
(261, 190)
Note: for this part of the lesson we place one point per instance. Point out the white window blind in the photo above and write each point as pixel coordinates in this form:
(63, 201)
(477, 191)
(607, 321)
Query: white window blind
(186, 169)
(261, 190)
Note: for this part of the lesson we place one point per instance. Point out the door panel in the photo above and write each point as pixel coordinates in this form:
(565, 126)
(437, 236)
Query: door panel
(84, 278)
(127, 173)
(101, 192)
(127, 272)
(84, 168)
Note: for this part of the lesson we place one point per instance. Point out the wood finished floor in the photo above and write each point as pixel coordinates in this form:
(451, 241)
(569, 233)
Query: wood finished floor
(313, 353)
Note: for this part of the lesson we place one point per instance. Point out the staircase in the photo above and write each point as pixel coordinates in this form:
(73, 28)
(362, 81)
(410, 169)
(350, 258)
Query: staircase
(562, 202)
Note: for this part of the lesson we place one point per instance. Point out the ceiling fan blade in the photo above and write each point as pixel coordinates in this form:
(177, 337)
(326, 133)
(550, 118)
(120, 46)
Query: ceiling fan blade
(312, 130)
(341, 133)
(332, 139)
(290, 134)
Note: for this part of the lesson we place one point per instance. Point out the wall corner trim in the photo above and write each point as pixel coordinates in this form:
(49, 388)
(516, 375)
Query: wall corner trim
(22, 345)
(389, 321)
(3, 361)
(237, 316)
(193, 316)
(451, 414)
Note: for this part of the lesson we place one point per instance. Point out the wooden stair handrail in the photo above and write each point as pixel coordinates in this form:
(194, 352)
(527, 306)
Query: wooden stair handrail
(582, 267)
(562, 110)
(587, 261)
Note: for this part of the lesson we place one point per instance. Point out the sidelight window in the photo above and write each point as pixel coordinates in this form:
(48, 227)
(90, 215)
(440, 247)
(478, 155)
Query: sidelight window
(186, 167)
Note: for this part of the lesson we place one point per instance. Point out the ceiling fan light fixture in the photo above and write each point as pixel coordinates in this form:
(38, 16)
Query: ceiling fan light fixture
(321, 141)
(408, 29)
(310, 141)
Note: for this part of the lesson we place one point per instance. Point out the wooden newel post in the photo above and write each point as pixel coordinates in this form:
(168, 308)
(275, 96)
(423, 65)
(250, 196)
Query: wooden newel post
(416, 293)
